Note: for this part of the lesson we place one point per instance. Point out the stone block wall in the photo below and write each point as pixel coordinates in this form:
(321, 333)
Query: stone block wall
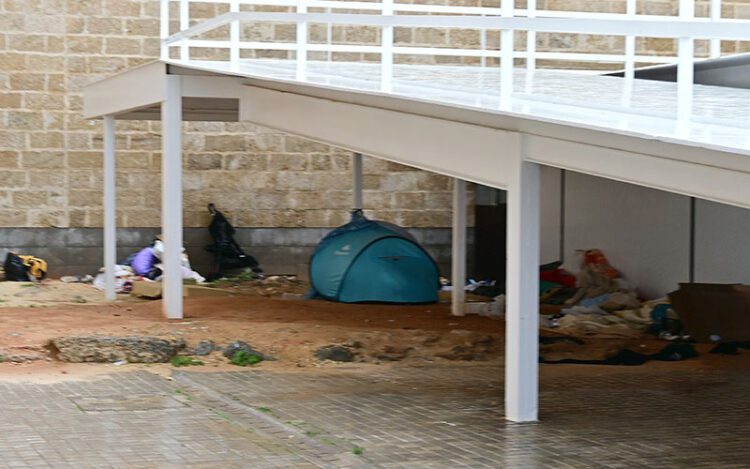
(50, 158)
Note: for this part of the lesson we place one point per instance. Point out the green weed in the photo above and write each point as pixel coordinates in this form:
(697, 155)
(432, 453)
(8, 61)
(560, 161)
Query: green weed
(181, 360)
(245, 358)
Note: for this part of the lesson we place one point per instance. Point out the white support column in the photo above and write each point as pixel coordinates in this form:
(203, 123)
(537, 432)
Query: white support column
(458, 249)
(357, 179)
(522, 315)
(110, 223)
(171, 197)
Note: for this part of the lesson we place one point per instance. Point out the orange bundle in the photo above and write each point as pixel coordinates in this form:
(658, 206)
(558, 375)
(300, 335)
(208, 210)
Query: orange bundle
(595, 261)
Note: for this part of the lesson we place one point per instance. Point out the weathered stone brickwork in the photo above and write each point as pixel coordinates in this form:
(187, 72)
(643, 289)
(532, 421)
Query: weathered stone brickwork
(50, 158)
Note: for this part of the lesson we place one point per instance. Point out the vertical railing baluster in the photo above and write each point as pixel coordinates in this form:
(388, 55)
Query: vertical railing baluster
(531, 38)
(184, 24)
(506, 56)
(329, 37)
(715, 14)
(630, 12)
(301, 49)
(386, 49)
(164, 28)
(234, 37)
(685, 59)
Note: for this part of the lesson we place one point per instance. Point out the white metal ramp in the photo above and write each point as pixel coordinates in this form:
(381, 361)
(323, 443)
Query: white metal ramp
(490, 125)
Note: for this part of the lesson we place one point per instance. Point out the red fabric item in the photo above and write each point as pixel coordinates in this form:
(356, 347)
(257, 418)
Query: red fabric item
(559, 276)
(594, 259)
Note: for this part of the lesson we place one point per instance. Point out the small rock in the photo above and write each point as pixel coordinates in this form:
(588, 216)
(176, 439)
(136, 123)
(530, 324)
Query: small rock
(204, 347)
(238, 345)
(393, 354)
(336, 353)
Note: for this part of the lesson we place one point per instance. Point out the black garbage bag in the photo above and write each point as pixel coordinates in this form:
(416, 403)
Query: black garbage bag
(227, 253)
(15, 269)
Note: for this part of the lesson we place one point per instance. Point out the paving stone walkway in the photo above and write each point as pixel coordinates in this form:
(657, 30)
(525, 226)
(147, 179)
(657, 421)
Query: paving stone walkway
(128, 420)
(452, 416)
(426, 417)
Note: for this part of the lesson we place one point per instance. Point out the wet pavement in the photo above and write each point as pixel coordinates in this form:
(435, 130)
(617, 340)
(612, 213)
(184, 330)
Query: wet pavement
(411, 417)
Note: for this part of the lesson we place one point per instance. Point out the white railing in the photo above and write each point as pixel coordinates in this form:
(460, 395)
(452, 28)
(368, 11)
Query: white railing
(387, 15)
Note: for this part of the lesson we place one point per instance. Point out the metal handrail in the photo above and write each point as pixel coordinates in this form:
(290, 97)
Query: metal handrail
(388, 15)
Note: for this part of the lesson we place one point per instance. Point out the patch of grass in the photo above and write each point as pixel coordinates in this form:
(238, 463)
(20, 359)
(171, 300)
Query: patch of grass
(311, 433)
(265, 410)
(247, 274)
(182, 360)
(358, 450)
(245, 358)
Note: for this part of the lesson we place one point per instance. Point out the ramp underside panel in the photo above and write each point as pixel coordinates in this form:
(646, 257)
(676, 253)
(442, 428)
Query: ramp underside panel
(470, 152)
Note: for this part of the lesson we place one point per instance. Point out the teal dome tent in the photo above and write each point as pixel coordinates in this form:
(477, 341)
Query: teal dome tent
(373, 261)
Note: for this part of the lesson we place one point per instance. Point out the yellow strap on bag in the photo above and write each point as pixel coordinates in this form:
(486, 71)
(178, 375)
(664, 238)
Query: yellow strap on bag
(37, 268)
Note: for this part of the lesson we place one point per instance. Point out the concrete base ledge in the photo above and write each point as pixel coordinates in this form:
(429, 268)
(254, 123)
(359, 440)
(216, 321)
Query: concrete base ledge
(78, 251)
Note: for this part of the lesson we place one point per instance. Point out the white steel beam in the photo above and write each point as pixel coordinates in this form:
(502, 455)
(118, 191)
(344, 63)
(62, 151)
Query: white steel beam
(438, 145)
(110, 223)
(116, 94)
(522, 315)
(171, 203)
(458, 250)
(726, 186)
(357, 180)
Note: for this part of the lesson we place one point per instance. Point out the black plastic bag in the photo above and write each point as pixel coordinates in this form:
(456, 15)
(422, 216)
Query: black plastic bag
(227, 253)
(15, 269)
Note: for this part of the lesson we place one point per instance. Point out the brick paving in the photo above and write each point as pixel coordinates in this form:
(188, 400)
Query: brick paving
(128, 420)
(417, 417)
(452, 416)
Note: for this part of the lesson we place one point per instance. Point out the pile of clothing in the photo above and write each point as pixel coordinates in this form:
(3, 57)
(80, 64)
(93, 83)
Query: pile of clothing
(596, 301)
(145, 264)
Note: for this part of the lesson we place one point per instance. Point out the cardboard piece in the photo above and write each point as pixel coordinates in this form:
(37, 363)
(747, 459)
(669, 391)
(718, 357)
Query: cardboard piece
(152, 290)
(714, 312)
(146, 289)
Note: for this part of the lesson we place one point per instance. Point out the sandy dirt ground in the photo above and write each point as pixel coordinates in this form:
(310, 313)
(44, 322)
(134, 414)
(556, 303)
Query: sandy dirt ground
(290, 330)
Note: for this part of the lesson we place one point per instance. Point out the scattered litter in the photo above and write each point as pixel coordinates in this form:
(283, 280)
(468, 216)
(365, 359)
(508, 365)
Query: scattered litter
(627, 357)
